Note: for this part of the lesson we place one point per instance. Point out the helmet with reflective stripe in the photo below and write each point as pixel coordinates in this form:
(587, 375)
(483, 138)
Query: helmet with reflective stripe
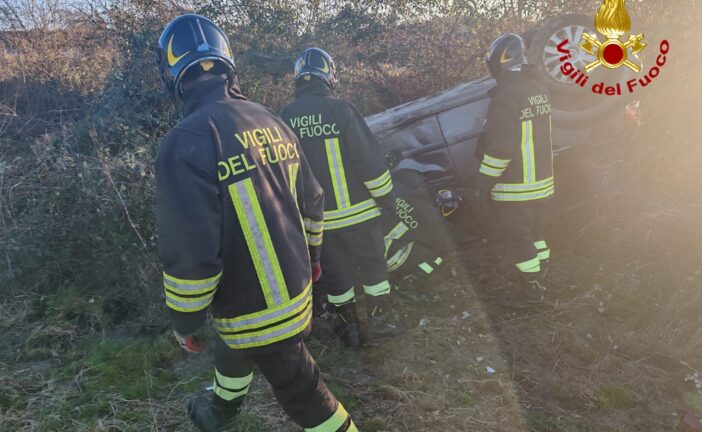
(505, 53)
(315, 62)
(191, 40)
(447, 201)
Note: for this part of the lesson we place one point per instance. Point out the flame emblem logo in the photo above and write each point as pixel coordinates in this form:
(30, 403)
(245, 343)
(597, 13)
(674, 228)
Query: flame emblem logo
(612, 21)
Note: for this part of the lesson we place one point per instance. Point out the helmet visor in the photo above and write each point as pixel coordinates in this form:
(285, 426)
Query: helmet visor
(209, 37)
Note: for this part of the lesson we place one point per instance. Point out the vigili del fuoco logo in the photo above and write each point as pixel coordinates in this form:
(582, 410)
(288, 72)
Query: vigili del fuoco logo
(612, 22)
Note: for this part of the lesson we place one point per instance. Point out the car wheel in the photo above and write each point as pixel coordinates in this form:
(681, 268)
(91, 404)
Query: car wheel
(572, 105)
(544, 55)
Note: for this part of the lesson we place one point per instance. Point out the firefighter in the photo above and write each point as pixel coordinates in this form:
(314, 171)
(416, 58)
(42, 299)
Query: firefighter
(413, 249)
(516, 169)
(349, 164)
(240, 227)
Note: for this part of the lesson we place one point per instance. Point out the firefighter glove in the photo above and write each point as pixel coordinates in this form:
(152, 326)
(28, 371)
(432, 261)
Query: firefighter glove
(189, 343)
(316, 271)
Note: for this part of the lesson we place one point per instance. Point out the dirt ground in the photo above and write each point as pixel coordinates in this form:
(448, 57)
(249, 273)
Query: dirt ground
(447, 372)
(600, 354)
(616, 346)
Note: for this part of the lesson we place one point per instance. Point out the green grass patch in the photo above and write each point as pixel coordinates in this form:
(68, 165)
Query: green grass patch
(693, 401)
(463, 398)
(250, 423)
(107, 372)
(132, 369)
(346, 396)
(613, 397)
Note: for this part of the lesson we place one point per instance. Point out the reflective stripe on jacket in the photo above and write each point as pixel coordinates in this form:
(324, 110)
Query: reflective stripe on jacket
(344, 155)
(515, 147)
(239, 214)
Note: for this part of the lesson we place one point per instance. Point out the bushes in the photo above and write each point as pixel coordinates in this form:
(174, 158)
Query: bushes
(86, 113)
(82, 112)
(66, 218)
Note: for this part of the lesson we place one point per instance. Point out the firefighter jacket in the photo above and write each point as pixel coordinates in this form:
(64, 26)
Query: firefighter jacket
(343, 154)
(413, 228)
(237, 208)
(515, 147)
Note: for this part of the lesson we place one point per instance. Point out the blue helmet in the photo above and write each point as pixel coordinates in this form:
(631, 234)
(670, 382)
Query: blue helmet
(318, 63)
(191, 40)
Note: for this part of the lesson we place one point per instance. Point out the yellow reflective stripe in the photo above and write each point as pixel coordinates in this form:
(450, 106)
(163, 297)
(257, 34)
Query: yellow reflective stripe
(191, 286)
(528, 160)
(347, 297)
(191, 282)
(523, 196)
(228, 395)
(233, 383)
(525, 152)
(378, 289)
(531, 266)
(523, 187)
(495, 162)
(395, 234)
(550, 142)
(333, 423)
(258, 240)
(379, 181)
(352, 220)
(266, 317)
(426, 268)
(230, 388)
(314, 231)
(337, 173)
(270, 335)
(293, 169)
(543, 251)
(490, 171)
(352, 427)
(350, 210)
(314, 226)
(314, 239)
(438, 261)
(400, 257)
(188, 304)
(382, 191)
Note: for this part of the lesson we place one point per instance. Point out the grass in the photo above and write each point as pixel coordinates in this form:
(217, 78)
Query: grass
(577, 369)
(614, 397)
(131, 368)
(102, 383)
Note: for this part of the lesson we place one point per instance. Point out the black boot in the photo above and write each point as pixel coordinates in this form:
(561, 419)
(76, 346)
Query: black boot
(209, 418)
(381, 325)
(348, 329)
(407, 290)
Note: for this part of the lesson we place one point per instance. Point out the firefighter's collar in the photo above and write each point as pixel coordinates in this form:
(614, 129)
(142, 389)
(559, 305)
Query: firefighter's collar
(207, 92)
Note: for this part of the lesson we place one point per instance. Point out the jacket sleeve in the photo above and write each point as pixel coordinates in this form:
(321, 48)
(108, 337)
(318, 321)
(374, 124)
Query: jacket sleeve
(188, 217)
(367, 157)
(496, 142)
(310, 200)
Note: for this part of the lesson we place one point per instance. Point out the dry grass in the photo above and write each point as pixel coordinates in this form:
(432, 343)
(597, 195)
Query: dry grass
(435, 376)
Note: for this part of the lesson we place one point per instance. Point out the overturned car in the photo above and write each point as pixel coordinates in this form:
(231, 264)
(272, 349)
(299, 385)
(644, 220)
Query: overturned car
(430, 145)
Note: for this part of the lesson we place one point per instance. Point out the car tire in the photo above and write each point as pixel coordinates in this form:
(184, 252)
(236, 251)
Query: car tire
(544, 55)
(574, 106)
